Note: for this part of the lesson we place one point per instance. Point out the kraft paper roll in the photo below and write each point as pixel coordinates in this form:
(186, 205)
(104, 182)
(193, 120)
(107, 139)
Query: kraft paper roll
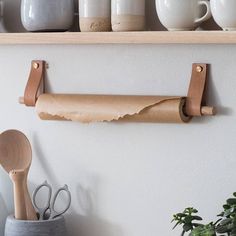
(100, 108)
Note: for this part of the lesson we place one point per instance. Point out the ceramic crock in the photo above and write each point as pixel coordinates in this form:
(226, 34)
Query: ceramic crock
(128, 15)
(47, 15)
(95, 15)
(54, 227)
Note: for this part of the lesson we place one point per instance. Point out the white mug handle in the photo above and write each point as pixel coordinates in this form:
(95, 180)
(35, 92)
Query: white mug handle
(208, 12)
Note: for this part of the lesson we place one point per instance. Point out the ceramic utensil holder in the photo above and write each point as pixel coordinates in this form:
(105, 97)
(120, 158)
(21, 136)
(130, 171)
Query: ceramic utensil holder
(54, 227)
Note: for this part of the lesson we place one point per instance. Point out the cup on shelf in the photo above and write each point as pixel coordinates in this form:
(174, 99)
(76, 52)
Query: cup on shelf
(224, 13)
(45, 15)
(128, 15)
(54, 227)
(182, 15)
(95, 15)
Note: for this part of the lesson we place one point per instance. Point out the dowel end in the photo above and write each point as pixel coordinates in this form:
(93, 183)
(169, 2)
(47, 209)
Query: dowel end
(208, 111)
(21, 100)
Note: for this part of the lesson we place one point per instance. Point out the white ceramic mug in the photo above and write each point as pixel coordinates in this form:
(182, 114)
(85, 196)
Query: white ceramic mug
(128, 15)
(95, 15)
(224, 13)
(178, 15)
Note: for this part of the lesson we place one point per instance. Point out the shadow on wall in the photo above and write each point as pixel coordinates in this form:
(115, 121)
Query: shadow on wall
(49, 173)
(212, 96)
(89, 224)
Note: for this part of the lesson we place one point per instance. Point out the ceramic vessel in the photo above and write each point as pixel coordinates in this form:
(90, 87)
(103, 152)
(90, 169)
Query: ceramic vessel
(1, 9)
(223, 12)
(54, 227)
(6, 206)
(128, 15)
(182, 14)
(95, 15)
(47, 15)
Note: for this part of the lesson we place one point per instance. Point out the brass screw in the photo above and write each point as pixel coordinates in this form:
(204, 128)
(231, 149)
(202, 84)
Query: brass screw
(199, 69)
(36, 65)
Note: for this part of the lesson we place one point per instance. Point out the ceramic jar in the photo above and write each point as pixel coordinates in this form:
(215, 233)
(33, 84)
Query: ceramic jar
(95, 15)
(47, 15)
(54, 227)
(128, 15)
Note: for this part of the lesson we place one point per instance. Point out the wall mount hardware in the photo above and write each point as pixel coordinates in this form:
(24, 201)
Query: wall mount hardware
(89, 108)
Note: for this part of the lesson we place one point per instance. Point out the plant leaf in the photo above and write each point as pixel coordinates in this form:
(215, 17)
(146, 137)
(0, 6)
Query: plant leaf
(231, 201)
(187, 227)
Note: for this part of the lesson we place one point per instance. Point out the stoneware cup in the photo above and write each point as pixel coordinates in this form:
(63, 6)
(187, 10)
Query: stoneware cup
(95, 15)
(128, 15)
(178, 15)
(47, 15)
(54, 227)
(224, 13)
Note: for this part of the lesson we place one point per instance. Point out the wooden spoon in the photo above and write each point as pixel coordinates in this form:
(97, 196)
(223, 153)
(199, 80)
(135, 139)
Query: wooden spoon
(16, 154)
(18, 177)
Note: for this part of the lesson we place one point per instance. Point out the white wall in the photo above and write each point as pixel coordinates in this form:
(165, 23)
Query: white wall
(126, 179)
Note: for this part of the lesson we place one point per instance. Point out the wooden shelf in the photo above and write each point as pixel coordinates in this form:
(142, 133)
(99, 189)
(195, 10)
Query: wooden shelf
(149, 37)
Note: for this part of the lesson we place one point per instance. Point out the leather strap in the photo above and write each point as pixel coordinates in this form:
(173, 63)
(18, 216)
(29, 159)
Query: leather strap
(195, 97)
(35, 84)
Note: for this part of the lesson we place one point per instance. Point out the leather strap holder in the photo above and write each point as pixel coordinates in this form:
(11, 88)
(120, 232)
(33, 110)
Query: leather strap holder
(35, 85)
(195, 101)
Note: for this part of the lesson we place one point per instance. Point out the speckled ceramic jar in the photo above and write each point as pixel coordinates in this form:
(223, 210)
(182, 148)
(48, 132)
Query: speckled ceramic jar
(47, 15)
(54, 227)
(128, 15)
(95, 15)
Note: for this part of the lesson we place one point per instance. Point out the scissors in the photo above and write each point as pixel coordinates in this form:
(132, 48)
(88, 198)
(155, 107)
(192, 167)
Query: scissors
(50, 205)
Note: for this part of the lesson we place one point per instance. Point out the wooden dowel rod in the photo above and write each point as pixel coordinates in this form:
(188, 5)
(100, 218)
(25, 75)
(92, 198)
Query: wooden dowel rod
(205, 110)
(208, 111)
(21, 100)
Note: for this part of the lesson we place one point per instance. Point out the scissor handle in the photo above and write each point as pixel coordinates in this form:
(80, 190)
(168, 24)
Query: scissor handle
(54, 213)
(43, 210)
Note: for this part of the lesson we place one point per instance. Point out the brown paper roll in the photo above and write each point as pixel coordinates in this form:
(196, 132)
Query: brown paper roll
(99, 108)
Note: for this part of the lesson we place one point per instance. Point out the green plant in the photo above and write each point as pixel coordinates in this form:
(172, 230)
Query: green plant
(228, 223)
(187, 218)
(204, 230)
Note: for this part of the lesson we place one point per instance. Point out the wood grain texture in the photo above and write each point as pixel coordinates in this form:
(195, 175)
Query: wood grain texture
(146, 37)
(18, 177)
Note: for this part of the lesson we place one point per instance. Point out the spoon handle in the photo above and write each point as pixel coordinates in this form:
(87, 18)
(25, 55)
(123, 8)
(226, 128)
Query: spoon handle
(17, 177)
(31, 213)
